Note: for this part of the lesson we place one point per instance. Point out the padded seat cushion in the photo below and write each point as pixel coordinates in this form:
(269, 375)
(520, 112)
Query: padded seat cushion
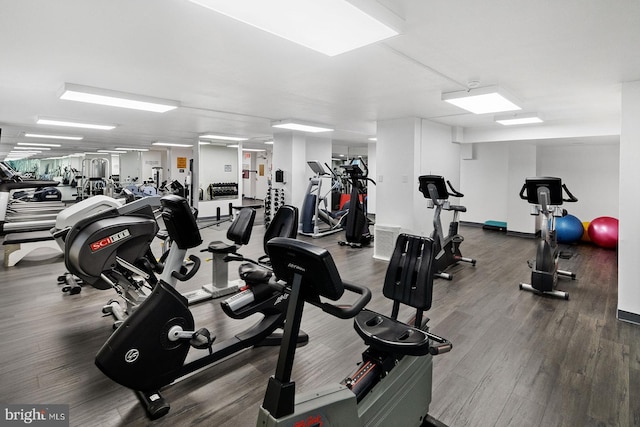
(252, 273)
(389, 335)
(219, 247)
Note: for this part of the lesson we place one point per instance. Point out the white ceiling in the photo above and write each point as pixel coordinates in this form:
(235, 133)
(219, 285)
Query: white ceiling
(565, 59)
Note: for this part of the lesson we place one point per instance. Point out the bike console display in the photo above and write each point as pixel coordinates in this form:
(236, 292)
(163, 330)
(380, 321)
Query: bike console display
(531, 186)
(438, 182)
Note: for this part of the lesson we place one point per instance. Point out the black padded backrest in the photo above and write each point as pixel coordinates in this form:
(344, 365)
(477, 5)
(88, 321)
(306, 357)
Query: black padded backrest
(180, 222)
(409, 278)
(284, 224)
(240, 230)
(320, 276)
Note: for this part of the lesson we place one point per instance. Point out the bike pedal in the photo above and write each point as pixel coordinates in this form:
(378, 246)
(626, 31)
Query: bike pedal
(202, 339)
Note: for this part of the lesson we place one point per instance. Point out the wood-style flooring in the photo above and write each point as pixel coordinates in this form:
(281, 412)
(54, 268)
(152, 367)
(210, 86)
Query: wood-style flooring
(518, 359)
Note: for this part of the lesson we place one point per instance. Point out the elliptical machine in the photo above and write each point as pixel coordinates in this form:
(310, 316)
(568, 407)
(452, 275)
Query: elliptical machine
(446, 248)
(392, 385)
(315, 208)
(357, 224)
(149, 350)
(546, 196)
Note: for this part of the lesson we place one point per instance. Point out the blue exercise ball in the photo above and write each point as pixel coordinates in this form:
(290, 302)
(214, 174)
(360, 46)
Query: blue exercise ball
(569, 229)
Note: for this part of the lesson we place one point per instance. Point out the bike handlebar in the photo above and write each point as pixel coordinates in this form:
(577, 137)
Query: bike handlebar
(189, 274)
(347, 312)
(455, 193)
(571, 198)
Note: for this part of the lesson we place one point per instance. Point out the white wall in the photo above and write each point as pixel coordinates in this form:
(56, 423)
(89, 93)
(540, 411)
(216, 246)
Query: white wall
(492, 180)
(397, 154)
(406, 149)
(629, 231)
(592, 174)
(130, 166)
(217, 164)
(438, 156)
(175, 173)
(522, 164)
(483, 183)
(150, 160)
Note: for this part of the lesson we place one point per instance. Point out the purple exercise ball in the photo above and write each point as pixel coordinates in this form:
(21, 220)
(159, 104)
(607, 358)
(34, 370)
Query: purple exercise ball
(603, 231)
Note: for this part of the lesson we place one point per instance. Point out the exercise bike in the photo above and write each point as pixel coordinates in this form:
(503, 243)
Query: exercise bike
(546, 196)
(148, 351)
(392, 385)
(446, 248)
(357, 233)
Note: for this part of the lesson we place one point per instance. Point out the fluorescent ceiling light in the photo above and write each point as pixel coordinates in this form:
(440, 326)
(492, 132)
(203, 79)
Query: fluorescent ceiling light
(34, 144)
(254, 149)
(112, 98)
(373, 139)
(31, 151)
(112, 151)
(73, 124)
(297, 125)
(223, 137)
(32, 148)
(328, 26)
(46, 136)
(490, 99)
(233, 146)
(518, 119)
(268, 142)
(171, 144)
(132, 149)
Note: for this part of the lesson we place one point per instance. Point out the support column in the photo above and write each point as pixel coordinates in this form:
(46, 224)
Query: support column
(291, 150)
(629, 206)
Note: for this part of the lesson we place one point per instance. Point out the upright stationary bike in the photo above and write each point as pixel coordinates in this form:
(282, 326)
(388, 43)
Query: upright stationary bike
(546, 196)
(392, 386)
(446, 248)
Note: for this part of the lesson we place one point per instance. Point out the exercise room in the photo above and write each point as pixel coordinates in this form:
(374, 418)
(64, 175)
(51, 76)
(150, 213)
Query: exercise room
(304, 213)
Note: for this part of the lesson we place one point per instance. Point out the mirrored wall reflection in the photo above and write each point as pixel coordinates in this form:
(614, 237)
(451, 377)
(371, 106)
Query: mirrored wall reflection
(219, 171)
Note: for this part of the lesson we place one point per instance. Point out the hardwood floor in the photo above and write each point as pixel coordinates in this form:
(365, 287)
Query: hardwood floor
(518, 359)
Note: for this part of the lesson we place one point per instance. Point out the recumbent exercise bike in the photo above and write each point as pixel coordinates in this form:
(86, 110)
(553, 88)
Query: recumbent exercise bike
(148, 351)
(392, 385)
(546, 196)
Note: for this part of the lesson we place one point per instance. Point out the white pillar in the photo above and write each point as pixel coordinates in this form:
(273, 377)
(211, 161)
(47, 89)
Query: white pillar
(629, 225)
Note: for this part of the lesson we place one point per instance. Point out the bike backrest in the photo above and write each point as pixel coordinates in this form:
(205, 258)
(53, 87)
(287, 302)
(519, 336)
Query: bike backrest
(239, 231)
(320, 276)
(284, 224)
(180, 222)
(409, 278)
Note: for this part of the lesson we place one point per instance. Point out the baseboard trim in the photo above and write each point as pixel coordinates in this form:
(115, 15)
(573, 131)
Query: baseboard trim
(626, 316)
(521, 234)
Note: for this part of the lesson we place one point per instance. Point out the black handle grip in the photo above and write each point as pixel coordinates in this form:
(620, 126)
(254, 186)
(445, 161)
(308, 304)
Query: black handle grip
(522, 190)
(444, 345)
(347, 312)
(571, 198)
(189, 274)
(455, 193)
(229, 258)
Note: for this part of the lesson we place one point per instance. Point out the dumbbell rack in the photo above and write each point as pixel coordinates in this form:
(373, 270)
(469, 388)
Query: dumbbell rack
(274, 200)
